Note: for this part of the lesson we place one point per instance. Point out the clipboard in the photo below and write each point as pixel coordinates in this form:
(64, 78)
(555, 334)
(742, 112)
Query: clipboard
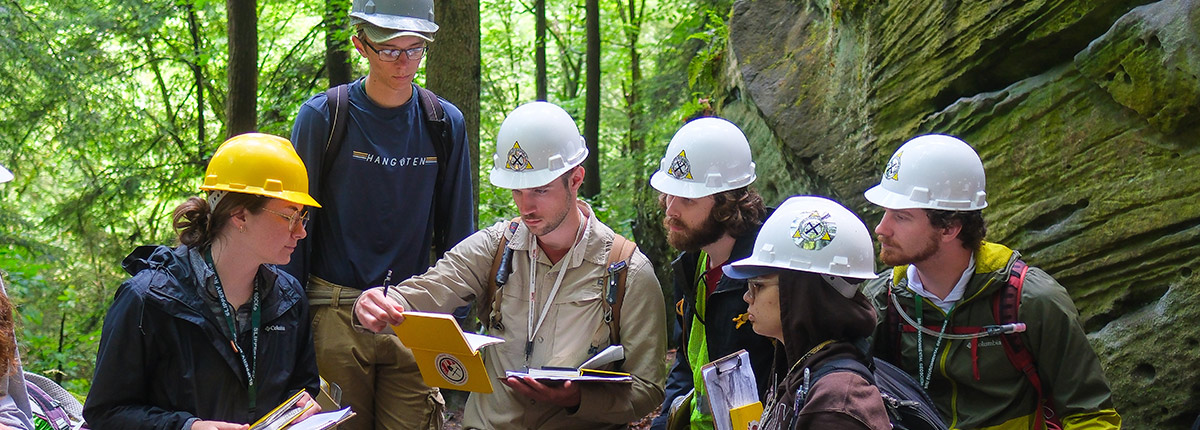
(282, 415)
(732, 391)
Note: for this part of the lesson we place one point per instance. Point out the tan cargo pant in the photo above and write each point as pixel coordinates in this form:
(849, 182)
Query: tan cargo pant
(378, 375)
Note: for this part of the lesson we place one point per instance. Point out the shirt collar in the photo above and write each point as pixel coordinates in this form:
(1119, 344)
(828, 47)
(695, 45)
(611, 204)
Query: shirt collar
(956, 294)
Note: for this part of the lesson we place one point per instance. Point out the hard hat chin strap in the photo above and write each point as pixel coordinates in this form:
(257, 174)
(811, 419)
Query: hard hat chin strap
(843, 287)
(214, 197)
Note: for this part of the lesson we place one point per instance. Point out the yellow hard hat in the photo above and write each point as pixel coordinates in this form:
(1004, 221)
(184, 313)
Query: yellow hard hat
(262, 164)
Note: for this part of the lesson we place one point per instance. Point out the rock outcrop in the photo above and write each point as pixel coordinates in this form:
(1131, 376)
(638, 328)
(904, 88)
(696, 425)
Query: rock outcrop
(1086, 115)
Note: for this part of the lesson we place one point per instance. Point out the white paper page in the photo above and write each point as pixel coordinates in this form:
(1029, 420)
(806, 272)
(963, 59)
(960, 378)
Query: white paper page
(322, 420)
(568, 375)
(476, 341)
(611, 354)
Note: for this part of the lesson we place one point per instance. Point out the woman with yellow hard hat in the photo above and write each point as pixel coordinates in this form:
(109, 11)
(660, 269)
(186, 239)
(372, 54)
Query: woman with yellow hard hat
(209, 334)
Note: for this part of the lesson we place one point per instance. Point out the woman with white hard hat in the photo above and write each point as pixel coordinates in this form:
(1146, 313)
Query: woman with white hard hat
(808, 259)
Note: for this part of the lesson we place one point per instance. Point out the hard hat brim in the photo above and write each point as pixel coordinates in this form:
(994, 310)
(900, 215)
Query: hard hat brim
(394, 22)
(5, 175)
(381, 35)
(290, 196)
(666, 184)
(524, 180)
(747, 272)
(885, 198)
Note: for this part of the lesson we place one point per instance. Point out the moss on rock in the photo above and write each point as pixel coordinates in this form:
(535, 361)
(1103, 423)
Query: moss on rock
(1084, 113)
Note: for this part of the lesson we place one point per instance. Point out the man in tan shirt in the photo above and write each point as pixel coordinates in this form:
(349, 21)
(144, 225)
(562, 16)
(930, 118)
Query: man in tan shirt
(559, 258)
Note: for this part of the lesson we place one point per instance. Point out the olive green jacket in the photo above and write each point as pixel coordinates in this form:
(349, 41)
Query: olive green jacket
(974, 384)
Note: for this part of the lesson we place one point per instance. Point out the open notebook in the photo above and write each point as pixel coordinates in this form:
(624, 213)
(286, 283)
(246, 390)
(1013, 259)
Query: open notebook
(586, 372)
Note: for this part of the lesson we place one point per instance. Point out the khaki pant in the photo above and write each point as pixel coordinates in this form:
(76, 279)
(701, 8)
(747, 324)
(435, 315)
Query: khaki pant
(378, 375)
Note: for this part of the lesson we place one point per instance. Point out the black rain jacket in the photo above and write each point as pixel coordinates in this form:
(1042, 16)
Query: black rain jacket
(163, 358)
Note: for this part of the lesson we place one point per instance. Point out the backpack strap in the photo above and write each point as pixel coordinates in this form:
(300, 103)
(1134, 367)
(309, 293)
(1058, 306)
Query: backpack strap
(489, 306)
(618, 270)
(889, 347)
(1005, 305)
(832, 366)
(52, 411)
(337, 99)
(439, 130)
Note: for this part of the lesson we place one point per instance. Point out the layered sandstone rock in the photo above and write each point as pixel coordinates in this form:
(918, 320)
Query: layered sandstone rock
(1086, 115)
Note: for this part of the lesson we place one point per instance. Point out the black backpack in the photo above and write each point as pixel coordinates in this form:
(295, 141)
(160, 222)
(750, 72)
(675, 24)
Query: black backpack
(908, 407)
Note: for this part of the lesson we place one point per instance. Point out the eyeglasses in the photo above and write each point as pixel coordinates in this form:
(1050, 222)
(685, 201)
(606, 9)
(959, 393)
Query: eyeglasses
(754, 287)
(299, 218)
(391, 55)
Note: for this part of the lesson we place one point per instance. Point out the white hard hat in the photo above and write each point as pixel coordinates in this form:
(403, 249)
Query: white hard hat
(537, 143)
(5, 175)
(706, 156)
(811, 234)
(933, 171)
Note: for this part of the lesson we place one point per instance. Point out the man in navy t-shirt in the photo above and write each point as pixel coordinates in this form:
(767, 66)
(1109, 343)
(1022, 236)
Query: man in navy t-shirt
(379, 191)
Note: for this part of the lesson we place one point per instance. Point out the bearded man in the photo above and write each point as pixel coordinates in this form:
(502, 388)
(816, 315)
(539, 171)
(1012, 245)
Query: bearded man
(713, 216)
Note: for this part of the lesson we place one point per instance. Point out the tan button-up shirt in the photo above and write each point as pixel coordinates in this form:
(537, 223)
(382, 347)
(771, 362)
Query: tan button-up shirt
(574, 327)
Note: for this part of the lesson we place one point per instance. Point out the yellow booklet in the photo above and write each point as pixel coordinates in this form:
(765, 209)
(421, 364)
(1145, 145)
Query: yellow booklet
(746, 417)
(447, 357)
(282, 415)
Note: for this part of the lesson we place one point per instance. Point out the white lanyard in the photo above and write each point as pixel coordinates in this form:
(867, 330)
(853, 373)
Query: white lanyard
(566, 260)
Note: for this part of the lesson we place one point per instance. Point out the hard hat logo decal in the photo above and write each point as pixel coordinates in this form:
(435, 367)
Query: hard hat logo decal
(518, 159)
(813, 232)
(893, 168)
(680, 167)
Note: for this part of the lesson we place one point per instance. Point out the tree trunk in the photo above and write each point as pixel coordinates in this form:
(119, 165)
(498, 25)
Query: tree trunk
(591, 116)
(571, 60)
(539, 48)
(198, 78)
(241, 105)
(337, 42)
(632, 19)
(453, 68)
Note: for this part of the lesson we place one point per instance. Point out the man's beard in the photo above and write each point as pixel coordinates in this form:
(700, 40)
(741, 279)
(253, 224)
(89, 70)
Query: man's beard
(550, 224)
(692, 239)
(896, 257)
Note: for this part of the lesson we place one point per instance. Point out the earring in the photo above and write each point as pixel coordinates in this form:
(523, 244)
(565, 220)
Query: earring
(242, 228)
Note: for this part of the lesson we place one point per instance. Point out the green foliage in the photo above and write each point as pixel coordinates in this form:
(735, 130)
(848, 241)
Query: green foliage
(704, 65)
(110, 109)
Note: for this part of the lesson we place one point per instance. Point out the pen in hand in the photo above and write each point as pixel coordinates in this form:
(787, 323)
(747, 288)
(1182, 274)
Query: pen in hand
(386, 280)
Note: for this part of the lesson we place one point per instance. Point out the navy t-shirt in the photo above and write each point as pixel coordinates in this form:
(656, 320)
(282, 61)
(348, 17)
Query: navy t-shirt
(377, 201)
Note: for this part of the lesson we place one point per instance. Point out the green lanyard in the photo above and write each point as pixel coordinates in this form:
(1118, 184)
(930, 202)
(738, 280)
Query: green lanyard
(255, 323)
(701, 285)
(922, 374)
